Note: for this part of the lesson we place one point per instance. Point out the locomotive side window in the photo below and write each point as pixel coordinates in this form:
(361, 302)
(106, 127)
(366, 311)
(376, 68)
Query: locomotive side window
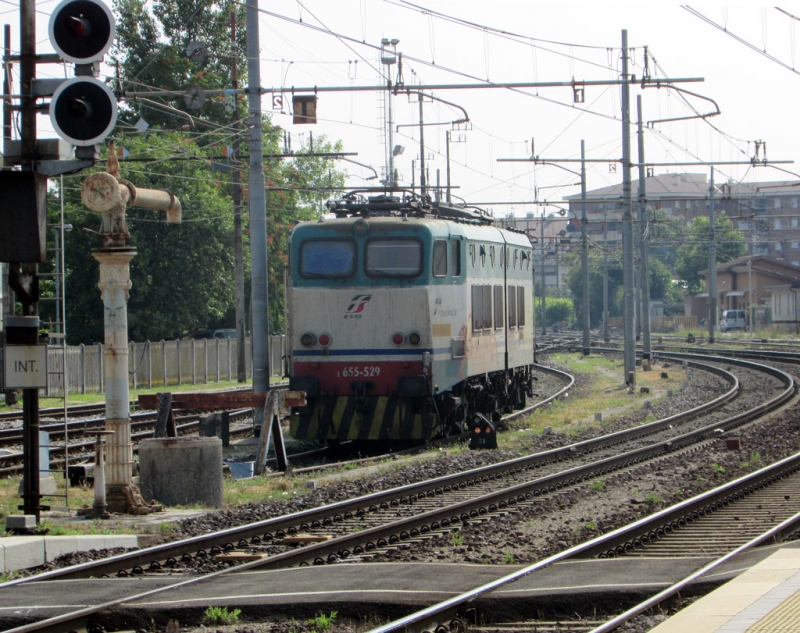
(521, 305)
(481, 308)
(512, 306)
(439, 258)
(397, 257)
(456, 258)
(331, 259)
(498, 307)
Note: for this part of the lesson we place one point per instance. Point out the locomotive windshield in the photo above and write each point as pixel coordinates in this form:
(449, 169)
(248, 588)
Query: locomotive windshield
(394, 258)
(327, 258)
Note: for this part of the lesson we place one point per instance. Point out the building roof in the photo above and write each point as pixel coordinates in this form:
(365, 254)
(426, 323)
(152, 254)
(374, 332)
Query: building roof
(692, 186)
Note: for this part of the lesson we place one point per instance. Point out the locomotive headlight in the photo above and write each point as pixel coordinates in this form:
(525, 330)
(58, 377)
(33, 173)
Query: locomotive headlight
(308, 339)
(414, 338)
(398, 339)
(324, 340)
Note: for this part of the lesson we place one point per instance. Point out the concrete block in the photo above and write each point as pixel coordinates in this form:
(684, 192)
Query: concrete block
(20, 522)
(181, 471)
(55, 546)
(22, 552)
(47, 486)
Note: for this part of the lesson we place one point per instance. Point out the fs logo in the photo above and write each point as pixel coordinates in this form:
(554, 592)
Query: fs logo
(357, 305)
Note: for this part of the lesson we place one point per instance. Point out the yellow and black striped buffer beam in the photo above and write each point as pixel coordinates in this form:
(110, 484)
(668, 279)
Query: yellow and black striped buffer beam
(371, 418)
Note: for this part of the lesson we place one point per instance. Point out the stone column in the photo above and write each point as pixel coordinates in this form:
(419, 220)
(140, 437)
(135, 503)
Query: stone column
(115, 284)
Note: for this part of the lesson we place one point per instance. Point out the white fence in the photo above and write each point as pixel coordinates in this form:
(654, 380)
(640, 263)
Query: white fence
(163, 363)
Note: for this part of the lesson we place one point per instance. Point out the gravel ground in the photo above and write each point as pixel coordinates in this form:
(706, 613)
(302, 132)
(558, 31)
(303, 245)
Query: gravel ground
(555, 522)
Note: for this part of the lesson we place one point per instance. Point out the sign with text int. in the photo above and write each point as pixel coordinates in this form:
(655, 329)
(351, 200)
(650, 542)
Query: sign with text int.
(25, 366)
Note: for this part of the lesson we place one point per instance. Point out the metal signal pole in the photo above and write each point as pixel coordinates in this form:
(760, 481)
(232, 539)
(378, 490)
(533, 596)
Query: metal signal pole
(238, 248)
(258, 212)
(627, 224)
(644, 249)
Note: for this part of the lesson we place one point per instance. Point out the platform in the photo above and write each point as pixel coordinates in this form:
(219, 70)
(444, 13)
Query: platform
(763, 599)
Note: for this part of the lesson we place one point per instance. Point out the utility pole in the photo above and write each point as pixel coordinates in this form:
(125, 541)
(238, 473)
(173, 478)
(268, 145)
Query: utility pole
(422, 179)
(238, 247)
(25, 277)
(627, 224)
(584, 255)
(258, 214)
(606, 337)
(447, 139)
(712, 263)
(544, 285)
(644, 238)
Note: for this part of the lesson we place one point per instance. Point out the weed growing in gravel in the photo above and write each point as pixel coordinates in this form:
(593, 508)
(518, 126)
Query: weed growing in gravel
(6, 576)
(456, 539)
(717, 468)
(754, 461)
(591, 525)
(322, 622)
(653, 497)
(220, 615)
(598, 485)
(508, 558)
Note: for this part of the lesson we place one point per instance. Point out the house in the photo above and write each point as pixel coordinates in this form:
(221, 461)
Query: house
(747, 282)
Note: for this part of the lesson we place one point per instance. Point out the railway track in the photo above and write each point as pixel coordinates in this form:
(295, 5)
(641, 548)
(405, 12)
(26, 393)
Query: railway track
(358, 528)
(721, 511)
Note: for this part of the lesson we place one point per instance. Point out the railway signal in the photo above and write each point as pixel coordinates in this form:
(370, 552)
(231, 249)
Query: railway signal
(83, 109)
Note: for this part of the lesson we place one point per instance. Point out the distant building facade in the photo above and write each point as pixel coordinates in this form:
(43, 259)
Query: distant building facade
(767, 213)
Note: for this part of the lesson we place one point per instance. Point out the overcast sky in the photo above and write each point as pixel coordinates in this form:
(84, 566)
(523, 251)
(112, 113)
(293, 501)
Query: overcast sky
(319, 43)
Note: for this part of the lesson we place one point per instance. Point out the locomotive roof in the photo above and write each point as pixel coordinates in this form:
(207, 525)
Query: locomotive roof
(404, 203)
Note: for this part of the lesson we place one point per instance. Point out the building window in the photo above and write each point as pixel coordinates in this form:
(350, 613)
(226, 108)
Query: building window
(778, 247)
(777, 203)
(777, 223)
(794, 202)
(795, 245)
(794, 223)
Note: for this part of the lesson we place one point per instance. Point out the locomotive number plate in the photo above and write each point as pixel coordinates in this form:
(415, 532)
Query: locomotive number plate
(360, 371)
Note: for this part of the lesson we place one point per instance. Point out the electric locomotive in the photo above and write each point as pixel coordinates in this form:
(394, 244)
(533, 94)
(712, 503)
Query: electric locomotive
(406, 318)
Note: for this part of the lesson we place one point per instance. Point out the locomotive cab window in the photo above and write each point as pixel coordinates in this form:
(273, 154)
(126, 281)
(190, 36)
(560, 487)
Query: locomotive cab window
(330, 259)
(456, 258)
(439, 258)
(397, 257)
(521, 306)
(512, 307)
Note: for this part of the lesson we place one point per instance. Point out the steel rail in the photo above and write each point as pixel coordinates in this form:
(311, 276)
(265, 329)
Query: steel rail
(372, 502)
(468, 510)
(443, 613)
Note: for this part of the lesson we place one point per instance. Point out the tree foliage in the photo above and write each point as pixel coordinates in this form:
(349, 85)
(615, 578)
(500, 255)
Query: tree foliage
(182, 275)
(152, 43)
(692, 255)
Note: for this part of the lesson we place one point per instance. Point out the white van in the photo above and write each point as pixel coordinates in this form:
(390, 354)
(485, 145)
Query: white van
(732, 320)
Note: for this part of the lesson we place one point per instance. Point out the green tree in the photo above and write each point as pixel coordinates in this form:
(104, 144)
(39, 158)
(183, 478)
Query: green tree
(182, 275)
(153, 52)
(152, 44)
(692, 256)
(575, 284)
